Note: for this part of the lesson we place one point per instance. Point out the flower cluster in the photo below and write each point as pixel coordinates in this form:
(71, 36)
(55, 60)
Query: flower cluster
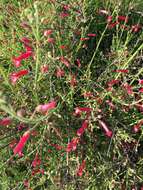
(17, 61)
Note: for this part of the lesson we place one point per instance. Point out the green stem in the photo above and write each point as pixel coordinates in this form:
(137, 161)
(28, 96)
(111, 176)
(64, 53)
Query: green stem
(131, 58)
(5, 78)
(37, 45)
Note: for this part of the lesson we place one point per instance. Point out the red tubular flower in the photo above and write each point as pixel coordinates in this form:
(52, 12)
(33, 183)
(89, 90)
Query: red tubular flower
(36, 161)
(109, 19)
(78, 63)
(128, 88)
(66, 7)
(22, 56)
(79, 110)
(46, 107)
(42, 171)
(25, 40)
(136, 28)
(141, 90)
(19, 147)
(51, 40)
(64, 14)
(62, 47)
(139, 107)
(111, 105)
(87, 94)
(84, 39)
(25, 55)
(26, 183)
(72, 145)
(65, 61)
(141, 81)
(36, 171)
(99, 100)
(112, 25)
(48, 32)
(58, 147)
(44, 68)
(73, 81)
(60, 73)
(81, 168)
(137, 127)
(5, 121)
(27, 46)
(112, 82)
(91, 35)
(81, 130)
(85, 124)
(15, 76)
(20, 126)
(16, 61)
(121, 71)
(49, 151)
(108, 132)
(122, 18)
(110, 89)
(124, 27)
(34, 133)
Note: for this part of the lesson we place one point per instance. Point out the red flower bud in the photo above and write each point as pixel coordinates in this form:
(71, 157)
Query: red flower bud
(60, 73)
(140, 81)
(107, 131)
(137, 127)
(141, 90)
(48, 32)
(51, 40)
(78, 63)
(121, 71)
(136, 28)
(112, 82)
(112, 25)
(19, 147)
(15, 76)
(109, 19)
(128, 88)
(91, 35)
(79, 110)
(72, 145)
(122, 18)
(46, 107)
(36, 161)
(64, 14)
(81, 130)
(81, 168)
(73, 81)
(65, 61)
(84, 39)
(5, 121)
(44, 68)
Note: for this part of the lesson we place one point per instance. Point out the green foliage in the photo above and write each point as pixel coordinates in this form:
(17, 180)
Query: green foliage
(114, 54)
